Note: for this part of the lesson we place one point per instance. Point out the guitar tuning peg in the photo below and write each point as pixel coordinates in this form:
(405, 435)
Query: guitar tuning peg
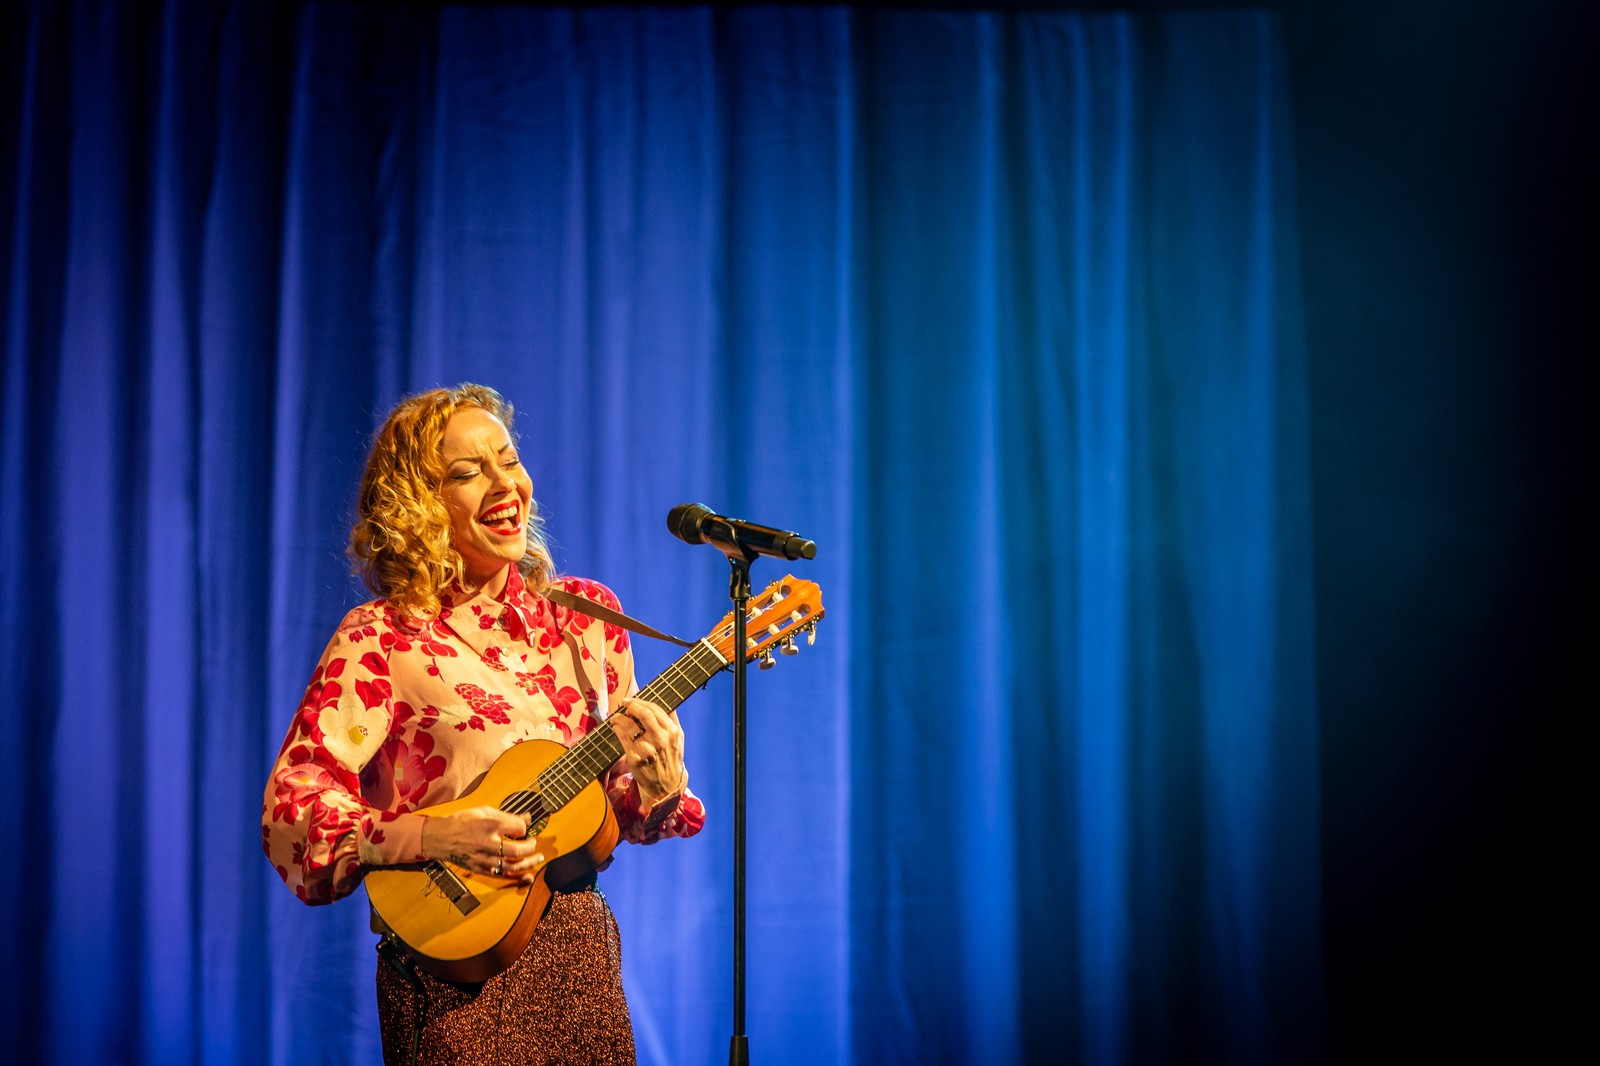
(811, 636)
(787, 646)
(766, 662)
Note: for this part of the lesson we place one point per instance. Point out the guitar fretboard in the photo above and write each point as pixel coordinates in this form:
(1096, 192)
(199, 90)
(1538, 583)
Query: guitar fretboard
(594, 754)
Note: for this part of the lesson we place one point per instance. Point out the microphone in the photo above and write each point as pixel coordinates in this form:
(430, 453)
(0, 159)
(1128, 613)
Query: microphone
(694, 523)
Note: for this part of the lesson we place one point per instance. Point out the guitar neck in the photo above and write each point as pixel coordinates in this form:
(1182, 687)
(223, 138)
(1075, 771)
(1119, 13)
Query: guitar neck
(596, 752)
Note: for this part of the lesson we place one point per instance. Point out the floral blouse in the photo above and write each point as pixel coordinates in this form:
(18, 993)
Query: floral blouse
(401, 715)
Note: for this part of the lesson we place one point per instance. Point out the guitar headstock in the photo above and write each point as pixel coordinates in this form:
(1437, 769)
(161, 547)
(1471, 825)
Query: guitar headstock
(782, 611)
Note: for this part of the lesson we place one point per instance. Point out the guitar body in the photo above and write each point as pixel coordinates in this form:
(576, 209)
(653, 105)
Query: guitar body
(472, 935)
(465, 926)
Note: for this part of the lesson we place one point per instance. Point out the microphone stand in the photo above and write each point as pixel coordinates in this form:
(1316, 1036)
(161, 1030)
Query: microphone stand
(739, 590)
(741, 542)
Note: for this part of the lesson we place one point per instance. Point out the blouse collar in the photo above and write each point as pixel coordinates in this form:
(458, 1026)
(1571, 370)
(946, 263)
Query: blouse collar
(472, 614)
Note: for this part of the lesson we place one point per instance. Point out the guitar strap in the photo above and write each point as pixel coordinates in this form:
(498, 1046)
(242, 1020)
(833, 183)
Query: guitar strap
(606, 614)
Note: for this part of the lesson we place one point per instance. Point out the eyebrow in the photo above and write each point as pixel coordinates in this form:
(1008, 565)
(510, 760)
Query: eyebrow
(473, 458)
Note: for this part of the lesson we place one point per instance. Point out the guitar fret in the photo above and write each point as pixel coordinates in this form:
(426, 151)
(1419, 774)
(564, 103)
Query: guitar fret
(590, 757)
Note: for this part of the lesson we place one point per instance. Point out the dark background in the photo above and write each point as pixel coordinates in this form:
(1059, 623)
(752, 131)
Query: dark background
(1446, 180)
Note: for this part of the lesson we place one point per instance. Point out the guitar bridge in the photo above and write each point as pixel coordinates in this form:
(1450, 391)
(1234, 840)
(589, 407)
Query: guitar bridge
(451, 886)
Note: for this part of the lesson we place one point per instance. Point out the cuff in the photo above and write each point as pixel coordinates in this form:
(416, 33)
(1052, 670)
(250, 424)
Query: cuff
(390, 839)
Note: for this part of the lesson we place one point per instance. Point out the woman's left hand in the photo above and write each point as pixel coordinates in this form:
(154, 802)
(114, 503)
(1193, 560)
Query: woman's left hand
(652, 744)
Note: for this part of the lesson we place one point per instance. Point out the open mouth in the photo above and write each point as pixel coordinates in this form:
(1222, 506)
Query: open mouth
(504, 519)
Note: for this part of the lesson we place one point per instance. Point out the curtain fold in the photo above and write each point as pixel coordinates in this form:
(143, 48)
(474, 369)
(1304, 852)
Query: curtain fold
(999, 308)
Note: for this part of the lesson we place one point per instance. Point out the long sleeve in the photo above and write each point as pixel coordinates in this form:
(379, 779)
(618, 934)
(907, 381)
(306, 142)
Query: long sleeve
(317, 829)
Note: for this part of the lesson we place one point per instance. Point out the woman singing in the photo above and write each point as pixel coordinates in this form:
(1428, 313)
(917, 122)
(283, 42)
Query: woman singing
(422, 689)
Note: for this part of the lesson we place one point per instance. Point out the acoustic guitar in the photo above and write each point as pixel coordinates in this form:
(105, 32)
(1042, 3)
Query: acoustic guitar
(467, 926)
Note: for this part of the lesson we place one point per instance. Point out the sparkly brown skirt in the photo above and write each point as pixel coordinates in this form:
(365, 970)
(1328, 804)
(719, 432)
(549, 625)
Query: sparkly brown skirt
(561, 1002)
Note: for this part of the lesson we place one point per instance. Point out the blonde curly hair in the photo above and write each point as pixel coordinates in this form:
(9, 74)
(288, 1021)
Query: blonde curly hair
(400, 543)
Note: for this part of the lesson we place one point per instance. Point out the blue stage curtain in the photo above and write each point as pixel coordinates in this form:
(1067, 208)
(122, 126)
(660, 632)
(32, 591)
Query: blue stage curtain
(999, 308)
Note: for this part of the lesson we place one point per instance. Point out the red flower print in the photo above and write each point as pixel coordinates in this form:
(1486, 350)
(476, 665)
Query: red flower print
(361, 625)
(415, 767)
(544, 683)
(516, 625)
(374, 692)
(573, 622)
(547, 638)
(402, 624)
(488, 704)
(323, 692)
(391, 642)
(356, 634)
(618, 637)
(403, 713)
(300, 790)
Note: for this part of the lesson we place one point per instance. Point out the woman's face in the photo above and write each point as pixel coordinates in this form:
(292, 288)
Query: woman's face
(486, 491)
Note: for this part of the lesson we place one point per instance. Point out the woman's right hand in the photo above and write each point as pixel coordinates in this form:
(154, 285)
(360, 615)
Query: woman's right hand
(485, 840)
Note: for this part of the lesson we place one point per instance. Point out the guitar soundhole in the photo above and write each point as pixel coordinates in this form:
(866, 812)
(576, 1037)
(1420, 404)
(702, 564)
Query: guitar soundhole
(529, 806)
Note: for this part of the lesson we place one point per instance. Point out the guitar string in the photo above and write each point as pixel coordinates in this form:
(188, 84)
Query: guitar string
(573, 771)
(583, 763)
